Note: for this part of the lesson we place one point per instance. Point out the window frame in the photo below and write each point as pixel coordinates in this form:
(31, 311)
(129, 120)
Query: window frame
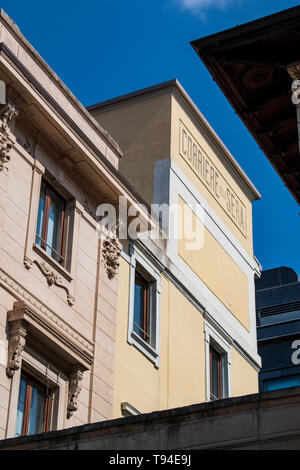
(128, 410)
(140, 262)
(218, 342)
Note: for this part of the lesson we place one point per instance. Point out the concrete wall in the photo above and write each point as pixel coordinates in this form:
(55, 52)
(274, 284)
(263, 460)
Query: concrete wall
(269, 421)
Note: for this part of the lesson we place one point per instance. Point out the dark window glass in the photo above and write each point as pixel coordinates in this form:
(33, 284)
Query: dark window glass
(50, 222)
(33, 410)
(215, 374)
(141, 320)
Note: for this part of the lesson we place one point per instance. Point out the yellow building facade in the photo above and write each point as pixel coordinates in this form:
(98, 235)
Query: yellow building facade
(203, 264)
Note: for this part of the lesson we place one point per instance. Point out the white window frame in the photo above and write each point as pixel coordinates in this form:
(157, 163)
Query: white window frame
(219, 343)
(152, 352)
(128, 410)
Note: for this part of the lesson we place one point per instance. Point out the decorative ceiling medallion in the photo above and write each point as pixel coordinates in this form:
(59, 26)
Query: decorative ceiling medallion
(257, 78)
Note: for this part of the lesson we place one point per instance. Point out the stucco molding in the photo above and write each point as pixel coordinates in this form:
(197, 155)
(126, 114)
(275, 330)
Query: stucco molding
(17, 341)
(7, 140)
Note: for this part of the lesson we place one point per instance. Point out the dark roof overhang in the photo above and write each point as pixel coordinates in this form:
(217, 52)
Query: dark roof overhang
(249, 63)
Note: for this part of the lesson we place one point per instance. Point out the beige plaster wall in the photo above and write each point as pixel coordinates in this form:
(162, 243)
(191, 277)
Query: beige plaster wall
(142, 128)
(244, 378)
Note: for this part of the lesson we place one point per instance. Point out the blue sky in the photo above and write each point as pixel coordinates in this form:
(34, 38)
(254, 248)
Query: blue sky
(105, 48)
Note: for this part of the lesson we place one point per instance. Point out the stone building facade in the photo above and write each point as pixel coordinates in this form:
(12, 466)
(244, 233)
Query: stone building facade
(58, 284)
(95, 324)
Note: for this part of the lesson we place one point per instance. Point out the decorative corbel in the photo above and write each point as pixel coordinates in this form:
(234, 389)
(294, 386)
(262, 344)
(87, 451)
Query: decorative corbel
(17, 342)
(294, 70)
(7, 140)
(111, 251)
(74, 389)
(27, 263)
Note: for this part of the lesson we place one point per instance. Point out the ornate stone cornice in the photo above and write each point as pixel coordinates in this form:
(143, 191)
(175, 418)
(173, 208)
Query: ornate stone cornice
(7, 140)
(111, 251)
(82, 346)
(18, 332)
(74, 390)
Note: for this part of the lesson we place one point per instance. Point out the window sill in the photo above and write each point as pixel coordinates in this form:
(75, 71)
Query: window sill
(147, 350)
(53, 263)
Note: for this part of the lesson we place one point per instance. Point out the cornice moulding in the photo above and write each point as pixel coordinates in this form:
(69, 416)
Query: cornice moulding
(49, 319)
(9, 23)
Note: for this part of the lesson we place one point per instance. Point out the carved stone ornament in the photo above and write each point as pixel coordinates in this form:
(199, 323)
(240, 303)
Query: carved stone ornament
(17, 342)
(26, 143)
(111, 251)
(27, 263)
(74, 390)
(88, 209)
(294, 71)
(7, 139)
(51, 277)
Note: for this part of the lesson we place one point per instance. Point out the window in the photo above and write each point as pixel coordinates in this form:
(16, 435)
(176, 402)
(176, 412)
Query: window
(144, 305)
(34, 407)
(141, 319)
(216, 374)
(51, 222)
(217, 363)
